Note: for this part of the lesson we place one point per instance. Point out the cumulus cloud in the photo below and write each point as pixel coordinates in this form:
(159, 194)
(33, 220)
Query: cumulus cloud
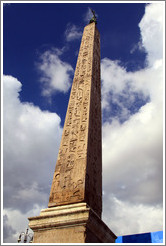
(31, 143)
(8, 231)
(55, 74)
(132, 136)
(151, 27)
(126, 218)
(72, 32)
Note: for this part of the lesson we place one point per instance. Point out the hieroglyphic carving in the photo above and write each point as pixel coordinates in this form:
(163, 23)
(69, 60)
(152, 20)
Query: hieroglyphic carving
(79, 155)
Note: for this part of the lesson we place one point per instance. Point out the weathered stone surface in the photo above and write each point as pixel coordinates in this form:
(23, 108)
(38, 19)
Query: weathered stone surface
(75, 204)
(76, 223)
(78, 172)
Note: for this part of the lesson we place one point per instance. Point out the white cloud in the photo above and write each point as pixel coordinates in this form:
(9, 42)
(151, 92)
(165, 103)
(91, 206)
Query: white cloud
(72, 32)
(54, 73)
(16, 219)
(8, 230)
(132, 149)
(31, 143)
(151, 27)
(126, 218)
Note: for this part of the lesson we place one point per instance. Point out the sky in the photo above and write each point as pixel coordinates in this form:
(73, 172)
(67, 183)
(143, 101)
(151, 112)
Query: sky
(40, 48)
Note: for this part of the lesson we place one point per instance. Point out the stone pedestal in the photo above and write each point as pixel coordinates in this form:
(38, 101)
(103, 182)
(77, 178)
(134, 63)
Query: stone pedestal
(74, 223)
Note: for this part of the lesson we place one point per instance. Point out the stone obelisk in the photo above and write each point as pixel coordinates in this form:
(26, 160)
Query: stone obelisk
(75, 204)
(78, 172)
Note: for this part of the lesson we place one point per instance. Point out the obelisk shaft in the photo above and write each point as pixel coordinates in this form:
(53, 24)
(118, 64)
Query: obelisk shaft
(75, 203)
(78, 171)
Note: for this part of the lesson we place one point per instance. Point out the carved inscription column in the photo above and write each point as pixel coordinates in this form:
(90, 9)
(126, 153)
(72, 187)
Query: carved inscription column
(78, 171)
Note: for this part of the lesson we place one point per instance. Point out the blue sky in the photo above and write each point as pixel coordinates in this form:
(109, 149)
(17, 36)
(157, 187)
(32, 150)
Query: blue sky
(40, 48)
(30, 29)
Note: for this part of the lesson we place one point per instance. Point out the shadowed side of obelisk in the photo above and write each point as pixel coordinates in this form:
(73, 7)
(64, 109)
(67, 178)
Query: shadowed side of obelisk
(93, 182)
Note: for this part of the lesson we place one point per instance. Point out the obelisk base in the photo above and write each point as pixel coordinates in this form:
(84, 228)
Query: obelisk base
(75, 223)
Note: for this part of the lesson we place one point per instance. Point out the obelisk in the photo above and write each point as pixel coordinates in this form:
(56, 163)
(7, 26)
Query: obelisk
(78, 172)
(75, 204)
